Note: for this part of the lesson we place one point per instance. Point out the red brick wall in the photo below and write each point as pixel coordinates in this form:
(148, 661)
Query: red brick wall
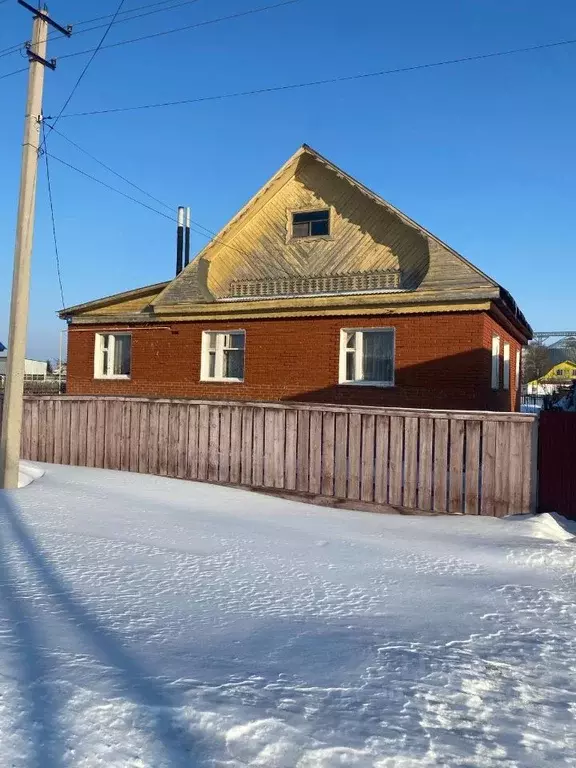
(442, 361)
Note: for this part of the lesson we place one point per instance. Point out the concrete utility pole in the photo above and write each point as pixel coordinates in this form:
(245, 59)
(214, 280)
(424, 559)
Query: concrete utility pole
(14, 387)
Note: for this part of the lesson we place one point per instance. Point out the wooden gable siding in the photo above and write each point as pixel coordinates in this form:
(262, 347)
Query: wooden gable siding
(449, 272)
(364, 237)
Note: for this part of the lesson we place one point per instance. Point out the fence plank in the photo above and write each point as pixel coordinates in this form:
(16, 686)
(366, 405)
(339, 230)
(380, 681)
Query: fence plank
(163, 445)
(455, 483)
(100, 437)
(173, 464)
(395, 466)
(278, 450)
(502, 469)
(91, 427)
(515, 469)
(258, 447)
(50, 430)
(203, 441)
(425, 464)
(381, 459)
(34, 431)
(488, 468)
(268, 448)
(126, 426)
(41, 430)
(235, 444)
(213, 442)
(153, 437)
(440, 464)
(472, 468)
(315, 456)
(75, 408)
(354, 455)
(328, 455)
(25, 438)
(144, 438)
(302, 458)
(134, 459)
(410, 498)
(290, 450)
(65, 457)
(224, 449)
(247, 425)
(367, 472)
(191, 463)
(341, 455)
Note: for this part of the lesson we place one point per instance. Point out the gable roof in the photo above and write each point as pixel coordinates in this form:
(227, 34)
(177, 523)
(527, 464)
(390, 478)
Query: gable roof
(447, 275)
(172, 294)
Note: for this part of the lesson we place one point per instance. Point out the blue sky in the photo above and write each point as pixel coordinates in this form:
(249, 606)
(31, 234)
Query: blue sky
(481, 153)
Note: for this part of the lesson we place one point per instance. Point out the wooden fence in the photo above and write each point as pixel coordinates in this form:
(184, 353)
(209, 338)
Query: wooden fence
(433, 461)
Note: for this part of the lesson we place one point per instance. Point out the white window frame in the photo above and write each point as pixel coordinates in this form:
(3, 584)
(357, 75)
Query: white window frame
(506, 366)
(495, 362)
(219, 360)
(518, 368)
(99, 373)
(359, 356)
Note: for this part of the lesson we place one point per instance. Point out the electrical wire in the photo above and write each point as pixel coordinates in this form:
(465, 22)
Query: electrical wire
(238, 15)
(56, 36)
(325, 81)
(54, 237)
(16, 72)
(196, 226)
(88, 63)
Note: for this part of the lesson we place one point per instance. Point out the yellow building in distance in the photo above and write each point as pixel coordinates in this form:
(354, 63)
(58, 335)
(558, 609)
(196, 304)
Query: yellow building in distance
(559, 375)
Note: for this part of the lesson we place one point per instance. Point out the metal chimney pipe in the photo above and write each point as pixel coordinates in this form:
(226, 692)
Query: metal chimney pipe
(179, 239)
(187, 239)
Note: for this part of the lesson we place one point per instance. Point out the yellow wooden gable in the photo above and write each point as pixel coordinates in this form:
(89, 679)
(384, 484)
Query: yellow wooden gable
(561, 372)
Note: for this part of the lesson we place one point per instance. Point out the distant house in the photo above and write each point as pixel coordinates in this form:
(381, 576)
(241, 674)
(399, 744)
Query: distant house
(34, 370)
(317, 290)
(561, 374)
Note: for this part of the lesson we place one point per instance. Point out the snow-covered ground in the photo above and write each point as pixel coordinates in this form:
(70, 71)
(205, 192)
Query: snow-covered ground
(160, 623)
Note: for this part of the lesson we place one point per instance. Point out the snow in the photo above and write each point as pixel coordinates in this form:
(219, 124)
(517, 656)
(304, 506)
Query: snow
(27, 473)
(155, 623)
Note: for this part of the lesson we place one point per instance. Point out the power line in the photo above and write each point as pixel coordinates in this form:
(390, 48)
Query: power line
(54, 237)
(326, 81)
(54, 36)
(238, 15)
(90, 60)
(111, 170)
(197, 226)
(131, 10)
(16, 72)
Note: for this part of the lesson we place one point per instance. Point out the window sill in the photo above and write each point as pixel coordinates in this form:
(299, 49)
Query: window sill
(379, 384)
(222, 381)
(120, 376)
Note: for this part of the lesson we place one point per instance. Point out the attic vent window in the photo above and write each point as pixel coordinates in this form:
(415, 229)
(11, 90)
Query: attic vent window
(311, 224)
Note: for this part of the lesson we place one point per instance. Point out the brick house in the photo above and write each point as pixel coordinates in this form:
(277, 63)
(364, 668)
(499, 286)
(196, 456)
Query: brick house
(317, 290)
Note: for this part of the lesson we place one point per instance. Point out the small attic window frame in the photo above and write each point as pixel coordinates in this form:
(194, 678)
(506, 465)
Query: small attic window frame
(291, 237)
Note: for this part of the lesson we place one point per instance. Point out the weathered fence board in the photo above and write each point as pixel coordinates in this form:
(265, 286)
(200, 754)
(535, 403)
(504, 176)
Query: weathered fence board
(432, 461)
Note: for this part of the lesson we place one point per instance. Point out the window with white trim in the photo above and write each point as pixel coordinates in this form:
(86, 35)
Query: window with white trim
(506, 366)
(222, 356)
(367, 356)
(518, 368)
(112, 356)
(495, 362)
